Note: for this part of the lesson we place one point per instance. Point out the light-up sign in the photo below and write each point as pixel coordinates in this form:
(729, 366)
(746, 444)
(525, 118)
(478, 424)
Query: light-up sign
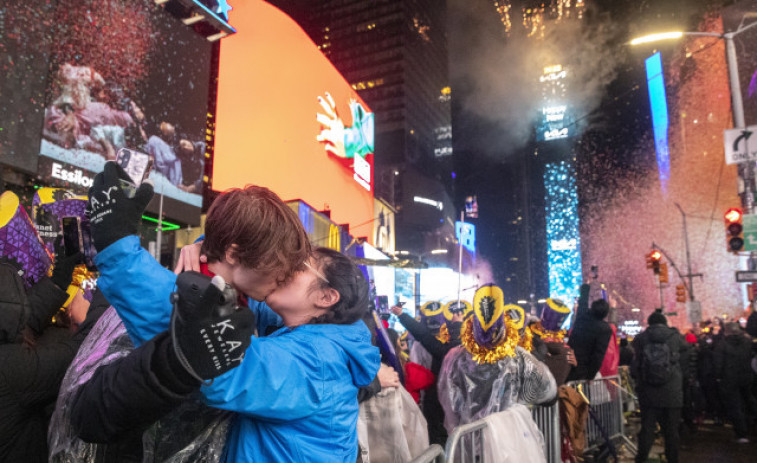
(437, 204)
(466, 234)
(555, 121)
(659, 105)
(294, 125)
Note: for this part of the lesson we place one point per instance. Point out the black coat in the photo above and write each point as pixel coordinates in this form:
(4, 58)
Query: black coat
(432, 409)
(30, 377)
(589, 339)
(733, 356)
(670, 394)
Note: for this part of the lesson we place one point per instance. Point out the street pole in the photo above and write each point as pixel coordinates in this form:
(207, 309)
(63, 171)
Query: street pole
(688, 256)
(737, 107)
(159, 236)
(460, 257)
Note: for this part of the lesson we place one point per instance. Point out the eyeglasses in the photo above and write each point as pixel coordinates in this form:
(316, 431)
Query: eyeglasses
(317, 273)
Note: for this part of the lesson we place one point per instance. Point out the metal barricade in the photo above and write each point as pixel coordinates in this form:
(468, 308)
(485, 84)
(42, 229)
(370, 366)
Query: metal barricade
(433, 454)
(606, 421)
(547, 419)
(465, 444)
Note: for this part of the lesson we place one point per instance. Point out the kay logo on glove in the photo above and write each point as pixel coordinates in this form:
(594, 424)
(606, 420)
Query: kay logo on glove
(101, 204)
(210, 330)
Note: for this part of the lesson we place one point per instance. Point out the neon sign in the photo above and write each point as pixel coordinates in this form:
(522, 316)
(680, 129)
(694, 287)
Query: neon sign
(466, 234)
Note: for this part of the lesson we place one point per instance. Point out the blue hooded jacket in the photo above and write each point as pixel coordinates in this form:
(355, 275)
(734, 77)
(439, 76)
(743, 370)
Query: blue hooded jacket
(295, 391)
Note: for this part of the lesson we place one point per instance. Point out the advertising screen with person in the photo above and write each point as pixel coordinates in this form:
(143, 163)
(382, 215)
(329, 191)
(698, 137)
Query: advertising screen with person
(126, 75)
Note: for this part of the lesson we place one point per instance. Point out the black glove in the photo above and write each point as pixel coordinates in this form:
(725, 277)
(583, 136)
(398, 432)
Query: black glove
(63, 269)
(210, 332)
(112, 213)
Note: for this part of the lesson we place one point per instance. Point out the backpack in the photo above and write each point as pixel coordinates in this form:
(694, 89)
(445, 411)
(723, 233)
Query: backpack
(658, 362)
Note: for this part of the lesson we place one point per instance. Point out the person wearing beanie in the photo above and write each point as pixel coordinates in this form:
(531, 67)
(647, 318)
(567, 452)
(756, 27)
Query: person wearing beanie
(589, 339)
(658, 370)
(489, 372)
(734, 375)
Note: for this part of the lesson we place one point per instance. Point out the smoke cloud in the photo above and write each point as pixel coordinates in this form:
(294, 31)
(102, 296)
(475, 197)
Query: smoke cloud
(495, 75)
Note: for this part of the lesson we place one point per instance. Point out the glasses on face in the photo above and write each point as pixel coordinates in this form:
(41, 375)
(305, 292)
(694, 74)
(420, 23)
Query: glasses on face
(320, 275)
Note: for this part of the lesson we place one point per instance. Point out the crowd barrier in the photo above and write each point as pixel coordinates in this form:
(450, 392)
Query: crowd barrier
(433, 454)
(465, 444)
(605, 423)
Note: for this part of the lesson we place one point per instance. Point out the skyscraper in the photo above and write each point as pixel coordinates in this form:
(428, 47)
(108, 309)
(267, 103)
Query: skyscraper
(394, 54)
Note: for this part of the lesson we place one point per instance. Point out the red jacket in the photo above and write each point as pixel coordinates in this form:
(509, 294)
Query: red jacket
(417, 378)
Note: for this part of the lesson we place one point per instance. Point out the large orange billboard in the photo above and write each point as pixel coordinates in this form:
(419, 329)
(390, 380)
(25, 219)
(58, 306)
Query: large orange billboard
(287, 120)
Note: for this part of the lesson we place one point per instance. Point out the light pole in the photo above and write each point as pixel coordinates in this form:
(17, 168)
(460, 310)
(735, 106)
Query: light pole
(737, 104)
(688, 256)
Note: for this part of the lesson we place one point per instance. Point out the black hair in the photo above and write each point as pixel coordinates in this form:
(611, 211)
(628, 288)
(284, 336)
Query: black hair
(343, 276)
(623, 342)
(657, 318)
(599, 309)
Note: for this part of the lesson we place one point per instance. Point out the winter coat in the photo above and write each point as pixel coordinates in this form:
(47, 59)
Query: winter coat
(612, 356)
(555, 356)
(589, 339)
(733, 358)
(751, 325)
(670, 394)
(296, 390)
(30, 377)
(469, 391)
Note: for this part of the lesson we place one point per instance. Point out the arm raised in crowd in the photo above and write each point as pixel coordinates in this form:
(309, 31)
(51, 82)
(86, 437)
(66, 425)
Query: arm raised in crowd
(132, 280)
(424, 335)
(538, 385)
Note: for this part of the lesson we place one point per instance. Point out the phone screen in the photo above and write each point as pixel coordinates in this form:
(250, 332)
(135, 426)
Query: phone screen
(136, 164)
(71, 235)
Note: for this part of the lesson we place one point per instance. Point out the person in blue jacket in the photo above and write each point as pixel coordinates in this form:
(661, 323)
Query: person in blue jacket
(295, 391)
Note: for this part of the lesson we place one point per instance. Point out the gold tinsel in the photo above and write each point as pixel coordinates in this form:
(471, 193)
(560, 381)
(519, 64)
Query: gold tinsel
(484, 355)
(547, 335)
(443, 335)
(80, 275)
(527, 341)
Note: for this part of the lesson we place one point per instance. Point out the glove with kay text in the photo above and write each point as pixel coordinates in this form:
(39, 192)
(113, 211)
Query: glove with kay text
(112, 213)
(210, 332)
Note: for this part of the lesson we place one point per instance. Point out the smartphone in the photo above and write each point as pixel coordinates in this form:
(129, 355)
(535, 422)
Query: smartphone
(382, 304)
(72, 241)
(137, 165)
(88, 246)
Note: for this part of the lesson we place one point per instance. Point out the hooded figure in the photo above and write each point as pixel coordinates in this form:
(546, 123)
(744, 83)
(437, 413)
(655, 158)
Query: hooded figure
(489, 372)
(438, 345)
(733, 371)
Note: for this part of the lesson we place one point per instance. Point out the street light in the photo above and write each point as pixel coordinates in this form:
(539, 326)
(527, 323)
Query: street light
(735, 86)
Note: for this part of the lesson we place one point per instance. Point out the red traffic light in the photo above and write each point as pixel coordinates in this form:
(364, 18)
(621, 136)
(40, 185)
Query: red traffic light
(733, 215)
(655, 255)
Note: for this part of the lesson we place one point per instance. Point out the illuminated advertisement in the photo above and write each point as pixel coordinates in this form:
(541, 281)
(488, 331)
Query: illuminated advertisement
(287, 120)
(466, 234)
(125, 74)
(564, 243)
(659, 105)
(555, 118)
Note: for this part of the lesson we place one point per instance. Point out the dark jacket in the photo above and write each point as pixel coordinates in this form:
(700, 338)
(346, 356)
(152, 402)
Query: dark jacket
(30, 378)
(733, 358)
(751, 325)
(589, 339)
(32, 308)
(670, 394)
(626, 356)
(432, 409)
(555, 356)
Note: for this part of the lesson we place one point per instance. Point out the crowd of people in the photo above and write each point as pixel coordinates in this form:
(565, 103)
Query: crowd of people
(259, 347)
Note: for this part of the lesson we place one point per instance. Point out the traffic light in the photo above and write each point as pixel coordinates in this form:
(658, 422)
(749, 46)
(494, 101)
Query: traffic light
(653, 261)
(663, 272)
(680, 293)
(734, 230)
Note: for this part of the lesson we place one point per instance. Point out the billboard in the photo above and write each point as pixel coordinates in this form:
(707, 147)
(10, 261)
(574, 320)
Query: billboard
(24, 48)
(659, 106)
(555, 118)
(126, 74)
(287, 120)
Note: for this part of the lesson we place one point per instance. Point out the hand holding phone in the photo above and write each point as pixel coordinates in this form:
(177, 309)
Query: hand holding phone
(137, 165)
(72, 239)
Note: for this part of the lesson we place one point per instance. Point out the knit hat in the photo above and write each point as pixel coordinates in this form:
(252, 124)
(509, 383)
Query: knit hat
(489, 335)
(657, 318)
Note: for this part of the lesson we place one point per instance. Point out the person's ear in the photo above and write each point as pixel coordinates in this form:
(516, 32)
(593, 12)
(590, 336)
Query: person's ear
(327, 297)
(231, 255)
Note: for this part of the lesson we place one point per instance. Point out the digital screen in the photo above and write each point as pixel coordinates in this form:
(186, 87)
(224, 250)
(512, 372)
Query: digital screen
(659, 106)
(563, 239)
(125, 75)
(287, 120)
(25, 40)
(466, 234)
(556, 119)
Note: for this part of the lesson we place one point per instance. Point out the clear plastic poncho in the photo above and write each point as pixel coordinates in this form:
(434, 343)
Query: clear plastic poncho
(512, 436)
(192, 432)
(469, 391)
(391, 427)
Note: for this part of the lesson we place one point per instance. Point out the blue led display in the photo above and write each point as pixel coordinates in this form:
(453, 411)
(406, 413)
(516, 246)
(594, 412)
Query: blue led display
(466, 233)
(659, 105)
(563, 239)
